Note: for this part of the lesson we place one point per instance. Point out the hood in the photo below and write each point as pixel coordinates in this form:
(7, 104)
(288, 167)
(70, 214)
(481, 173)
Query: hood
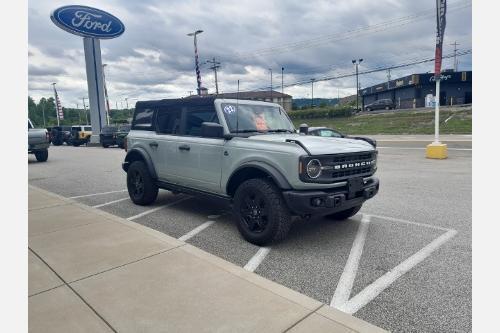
(318, 145)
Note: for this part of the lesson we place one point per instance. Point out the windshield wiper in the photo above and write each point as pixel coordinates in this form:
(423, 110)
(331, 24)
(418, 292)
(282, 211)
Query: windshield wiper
(246, 131)
(280, 130)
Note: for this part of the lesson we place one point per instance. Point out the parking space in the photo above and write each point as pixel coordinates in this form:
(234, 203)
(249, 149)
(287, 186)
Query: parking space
(403, 263)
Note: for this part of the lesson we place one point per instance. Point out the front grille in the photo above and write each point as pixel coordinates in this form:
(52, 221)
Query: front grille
(341, 167)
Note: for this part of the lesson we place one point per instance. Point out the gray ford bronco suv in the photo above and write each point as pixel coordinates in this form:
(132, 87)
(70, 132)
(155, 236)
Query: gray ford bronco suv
(249, 154)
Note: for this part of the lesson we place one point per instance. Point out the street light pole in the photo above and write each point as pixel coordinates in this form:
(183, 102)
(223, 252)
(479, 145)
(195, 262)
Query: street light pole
(282, 91)
(55, 102)
(198, 76)
(356, 63)
(312, 92)
(271, 71)
(85, 110)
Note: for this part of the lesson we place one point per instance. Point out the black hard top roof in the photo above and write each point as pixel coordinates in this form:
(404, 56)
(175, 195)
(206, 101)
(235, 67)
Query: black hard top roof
(198, 101)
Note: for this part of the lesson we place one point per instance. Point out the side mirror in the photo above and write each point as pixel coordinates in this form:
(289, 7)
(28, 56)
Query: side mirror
(303, 129)
(212, 130)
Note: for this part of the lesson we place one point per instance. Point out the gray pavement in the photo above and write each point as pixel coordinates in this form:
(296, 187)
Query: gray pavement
(419, 202)
(107, 274)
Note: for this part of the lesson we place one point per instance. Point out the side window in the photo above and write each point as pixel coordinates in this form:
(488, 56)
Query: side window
(143, 119)
(168, 121)
(195, 116)
(329, 133)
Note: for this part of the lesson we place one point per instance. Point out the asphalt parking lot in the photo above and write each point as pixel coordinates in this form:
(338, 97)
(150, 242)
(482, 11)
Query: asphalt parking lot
(404, 263)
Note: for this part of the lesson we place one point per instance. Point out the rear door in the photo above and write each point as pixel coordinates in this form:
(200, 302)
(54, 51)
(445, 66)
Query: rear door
(168, 121)
(198, 159)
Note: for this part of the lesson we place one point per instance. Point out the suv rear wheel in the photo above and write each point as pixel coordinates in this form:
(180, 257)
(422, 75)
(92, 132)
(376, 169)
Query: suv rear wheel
(141, 187)
(42, 155)
(344, 214)
(263, 216)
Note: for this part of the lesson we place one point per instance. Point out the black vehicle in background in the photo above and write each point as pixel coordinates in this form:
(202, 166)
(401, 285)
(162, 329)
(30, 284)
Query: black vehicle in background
(121, 135)
(380, 104)
(60, 135)
(331, 133)
(108, 136)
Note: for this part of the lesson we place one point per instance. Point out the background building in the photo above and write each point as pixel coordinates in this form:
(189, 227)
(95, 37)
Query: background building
(410, 91)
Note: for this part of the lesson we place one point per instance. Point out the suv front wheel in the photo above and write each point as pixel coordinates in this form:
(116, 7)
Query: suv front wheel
(263, 216)
(141, 187)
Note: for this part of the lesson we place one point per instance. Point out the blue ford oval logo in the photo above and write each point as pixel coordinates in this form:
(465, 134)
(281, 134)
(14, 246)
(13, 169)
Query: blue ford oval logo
(87, 22)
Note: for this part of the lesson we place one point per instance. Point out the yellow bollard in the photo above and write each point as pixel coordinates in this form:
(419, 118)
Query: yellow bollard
(437, 150)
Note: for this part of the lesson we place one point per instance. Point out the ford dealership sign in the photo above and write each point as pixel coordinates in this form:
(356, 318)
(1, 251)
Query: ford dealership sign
(87, 22)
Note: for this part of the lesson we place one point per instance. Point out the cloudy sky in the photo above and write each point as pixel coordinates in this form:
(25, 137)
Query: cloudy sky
(311, 39)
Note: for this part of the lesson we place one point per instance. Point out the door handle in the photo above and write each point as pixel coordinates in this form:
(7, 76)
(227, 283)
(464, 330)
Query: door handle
(184, 147)
(153, 144)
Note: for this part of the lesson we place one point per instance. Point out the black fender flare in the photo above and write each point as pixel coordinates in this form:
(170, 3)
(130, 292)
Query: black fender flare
(138, 153)
(274, 173)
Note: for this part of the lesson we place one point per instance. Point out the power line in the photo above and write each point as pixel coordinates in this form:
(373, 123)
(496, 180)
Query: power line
(390, 24)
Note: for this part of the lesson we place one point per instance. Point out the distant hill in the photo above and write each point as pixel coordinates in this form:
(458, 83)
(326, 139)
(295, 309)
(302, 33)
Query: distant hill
(306, 102)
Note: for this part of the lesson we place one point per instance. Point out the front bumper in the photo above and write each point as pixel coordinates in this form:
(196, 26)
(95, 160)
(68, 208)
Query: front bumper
(327, 202)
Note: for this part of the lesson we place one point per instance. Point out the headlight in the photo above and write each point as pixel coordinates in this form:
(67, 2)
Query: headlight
(313, 168)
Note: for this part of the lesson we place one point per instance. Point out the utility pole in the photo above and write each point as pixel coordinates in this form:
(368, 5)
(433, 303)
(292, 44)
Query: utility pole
(271, 71)
(356, 63)
(85, 110)
(126, 101)
(190, 92)
(282, 92)
(197, 66)
(116, 104)
(215, 65)
(105, 93)
(43, 114)
(79, 113)
(388, 77)
(455, 63)
(312, 92)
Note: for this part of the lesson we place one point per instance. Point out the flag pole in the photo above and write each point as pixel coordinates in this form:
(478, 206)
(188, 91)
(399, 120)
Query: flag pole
(436, 149)
(436, 120)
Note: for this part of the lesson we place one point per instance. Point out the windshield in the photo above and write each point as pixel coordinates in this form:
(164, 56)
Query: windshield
(256, 118)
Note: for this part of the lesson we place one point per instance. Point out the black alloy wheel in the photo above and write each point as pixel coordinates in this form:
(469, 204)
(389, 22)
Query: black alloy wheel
(262, 214)
(142, 188)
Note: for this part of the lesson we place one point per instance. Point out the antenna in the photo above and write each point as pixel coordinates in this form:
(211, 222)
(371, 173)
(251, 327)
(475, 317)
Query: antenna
(237, 100)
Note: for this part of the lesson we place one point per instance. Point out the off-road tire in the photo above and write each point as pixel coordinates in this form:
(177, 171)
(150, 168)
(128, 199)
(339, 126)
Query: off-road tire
(143, 190)
(278, 219)
(344, 214)
(42, 155)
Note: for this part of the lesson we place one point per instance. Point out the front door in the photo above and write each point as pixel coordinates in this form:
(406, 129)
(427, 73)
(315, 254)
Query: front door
(198, 160)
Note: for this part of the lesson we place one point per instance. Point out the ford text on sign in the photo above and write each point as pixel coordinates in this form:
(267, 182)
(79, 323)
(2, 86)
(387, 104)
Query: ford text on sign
(87, 22)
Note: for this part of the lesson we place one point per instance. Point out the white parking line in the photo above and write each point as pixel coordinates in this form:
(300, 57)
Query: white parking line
(110, 202)
(423, 148)
(155, 209)
(91, 195)
(344, 286)
(257, 259)
(196, 230)
(374, 289)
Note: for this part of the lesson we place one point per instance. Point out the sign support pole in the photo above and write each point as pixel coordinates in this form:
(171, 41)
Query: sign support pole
(92, 49)
(436, 116)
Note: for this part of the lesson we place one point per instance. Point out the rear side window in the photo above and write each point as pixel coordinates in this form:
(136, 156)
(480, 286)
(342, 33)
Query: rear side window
(195, 116)
(143, 119)
(168, 120)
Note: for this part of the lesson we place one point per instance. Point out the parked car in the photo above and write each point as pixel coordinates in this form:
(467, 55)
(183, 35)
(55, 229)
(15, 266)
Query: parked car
(108, 136)
(121, 135)
(248, 154)
(380, 105)
(332, 133)
(80, 134)
(38, 142)
(60, 135)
